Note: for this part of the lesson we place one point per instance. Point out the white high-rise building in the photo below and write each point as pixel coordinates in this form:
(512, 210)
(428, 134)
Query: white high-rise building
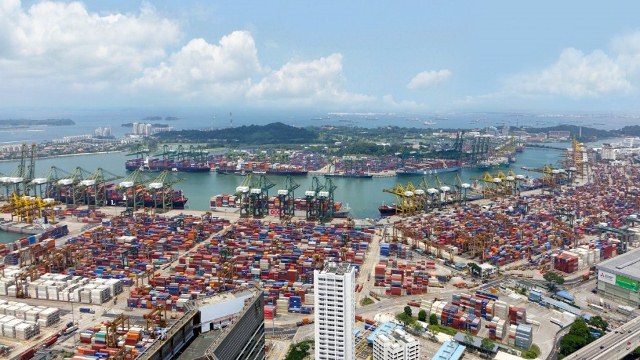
(397, 345)
(335, 306)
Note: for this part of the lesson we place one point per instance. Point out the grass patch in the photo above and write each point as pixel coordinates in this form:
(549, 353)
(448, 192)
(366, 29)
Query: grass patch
(532, 353)
(366, 301)
(443, 329)
(299, 351)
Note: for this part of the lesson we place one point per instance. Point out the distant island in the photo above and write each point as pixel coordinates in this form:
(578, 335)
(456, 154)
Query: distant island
(160, 118)
(153, 124)
(30, 122)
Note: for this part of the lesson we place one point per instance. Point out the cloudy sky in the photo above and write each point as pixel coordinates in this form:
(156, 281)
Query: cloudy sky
(334, 55)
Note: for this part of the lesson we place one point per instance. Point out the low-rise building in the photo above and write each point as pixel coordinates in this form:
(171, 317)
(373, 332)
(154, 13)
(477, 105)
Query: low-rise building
(619, 278)
(396, 345)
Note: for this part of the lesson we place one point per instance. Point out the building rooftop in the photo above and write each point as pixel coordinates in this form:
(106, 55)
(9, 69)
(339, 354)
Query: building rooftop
(337, 268)
(385, 328)
(627, 264)
(198, 348)
(450, 350)
(401, 336)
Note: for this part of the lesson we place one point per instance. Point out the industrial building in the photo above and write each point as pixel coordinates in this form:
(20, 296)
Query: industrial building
(618, 278)
(450, 350)
(334, 324)
(396, 345)
(231, 327)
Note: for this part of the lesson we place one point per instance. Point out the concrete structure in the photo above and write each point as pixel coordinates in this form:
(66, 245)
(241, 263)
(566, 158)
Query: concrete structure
(397, 345)
(228, 326)
(335, 305)
(608, 152)
(450, 350)
(613, 345)
(384, 328)
(619, 278)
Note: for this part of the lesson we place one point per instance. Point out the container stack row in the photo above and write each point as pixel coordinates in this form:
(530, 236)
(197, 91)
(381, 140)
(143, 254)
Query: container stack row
(46, 240)
(400, 277)
(566, 262)
(64, 287)
(43, 316)
(281, 257)
(498, 328)
(126, 247)
(93, 343)
(527, 226)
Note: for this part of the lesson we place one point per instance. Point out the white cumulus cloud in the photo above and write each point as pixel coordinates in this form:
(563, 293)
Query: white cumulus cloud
(200, 67)
(575, 75)
(427, 79)
(307, 81)
(66, 43)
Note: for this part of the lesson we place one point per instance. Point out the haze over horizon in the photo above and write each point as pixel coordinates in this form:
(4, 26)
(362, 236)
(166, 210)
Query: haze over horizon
(423, 56)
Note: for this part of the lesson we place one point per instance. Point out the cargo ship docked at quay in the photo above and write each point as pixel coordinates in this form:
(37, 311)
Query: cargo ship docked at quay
(428, 167)
(409, 171)
(158, 165)
(123, 197)
(353, 175)
(230, 203)
(282, 170)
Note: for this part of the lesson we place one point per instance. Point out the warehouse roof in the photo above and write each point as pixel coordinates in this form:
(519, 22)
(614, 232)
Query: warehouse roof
(450, 350)
(627, 264)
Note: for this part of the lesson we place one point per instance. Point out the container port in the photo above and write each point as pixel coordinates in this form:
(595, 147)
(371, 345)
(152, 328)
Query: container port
(127, 274)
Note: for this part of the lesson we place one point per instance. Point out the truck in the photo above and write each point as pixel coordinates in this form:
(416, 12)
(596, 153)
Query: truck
(70, 330)
(87, 310)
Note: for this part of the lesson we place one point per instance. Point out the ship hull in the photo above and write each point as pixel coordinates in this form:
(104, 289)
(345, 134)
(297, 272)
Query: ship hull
(387, 210)
(288, 172)
(427, 172)
(353, 176)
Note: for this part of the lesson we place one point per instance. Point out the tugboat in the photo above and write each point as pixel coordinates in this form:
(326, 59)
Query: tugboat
(387, 210)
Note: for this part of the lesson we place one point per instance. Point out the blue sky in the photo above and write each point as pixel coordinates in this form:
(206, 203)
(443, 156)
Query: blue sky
(424, 56)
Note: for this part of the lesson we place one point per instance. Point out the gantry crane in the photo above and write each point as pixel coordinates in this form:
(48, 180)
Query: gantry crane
(132, 191)
(311, 197)
(432, 198)
(113, 327)
(157, 315)
(92, 190)
(253, 195)
(405, 204)
(552, 178)
(326, 201)
(161, 190)
(286, 198)
(62, 185)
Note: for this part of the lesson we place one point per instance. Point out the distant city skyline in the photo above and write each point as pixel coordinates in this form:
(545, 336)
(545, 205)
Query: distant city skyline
(420, 56)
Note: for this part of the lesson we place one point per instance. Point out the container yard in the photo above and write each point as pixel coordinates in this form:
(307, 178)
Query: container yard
(567, 230)
(130, 276)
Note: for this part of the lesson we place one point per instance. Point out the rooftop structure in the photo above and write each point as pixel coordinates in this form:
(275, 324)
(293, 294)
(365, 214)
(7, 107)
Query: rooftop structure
(450, 350)
(385, 328)
(232, 327)
(396, 345)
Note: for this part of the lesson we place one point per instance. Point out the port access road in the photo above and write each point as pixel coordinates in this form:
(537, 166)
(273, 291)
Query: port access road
(613, 345)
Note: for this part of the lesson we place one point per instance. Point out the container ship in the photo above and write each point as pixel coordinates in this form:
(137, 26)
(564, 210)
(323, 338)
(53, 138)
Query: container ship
(150, 199)
(192, 166)
(493, 163)
(428, 167)
(387, 210)
(231, 203)
(280, 169)
(357, 175)
(410, 171)
(158, 165)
